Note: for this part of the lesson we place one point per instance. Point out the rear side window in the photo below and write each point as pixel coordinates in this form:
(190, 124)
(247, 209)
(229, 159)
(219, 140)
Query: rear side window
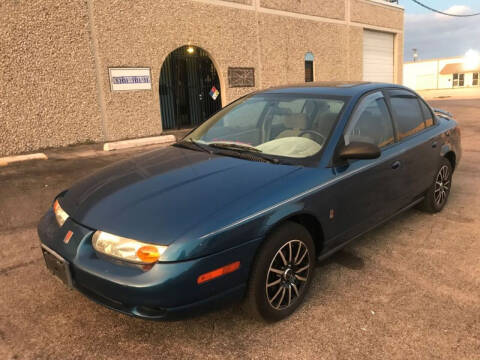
(427, 114)
(408, 114)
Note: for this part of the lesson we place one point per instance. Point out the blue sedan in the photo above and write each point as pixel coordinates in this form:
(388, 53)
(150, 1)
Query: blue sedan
(246, 203)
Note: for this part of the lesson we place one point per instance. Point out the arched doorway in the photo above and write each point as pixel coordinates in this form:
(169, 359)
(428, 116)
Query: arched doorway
(189, 88)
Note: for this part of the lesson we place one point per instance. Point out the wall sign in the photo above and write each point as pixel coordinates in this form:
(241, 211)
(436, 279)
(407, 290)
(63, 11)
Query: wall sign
(241, 77)
(130, 79)
(214, 93)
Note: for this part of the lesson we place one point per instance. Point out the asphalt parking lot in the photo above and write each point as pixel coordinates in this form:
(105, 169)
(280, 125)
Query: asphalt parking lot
(407, 290)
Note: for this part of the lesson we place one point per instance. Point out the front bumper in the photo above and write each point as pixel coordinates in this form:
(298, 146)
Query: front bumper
(166, 290)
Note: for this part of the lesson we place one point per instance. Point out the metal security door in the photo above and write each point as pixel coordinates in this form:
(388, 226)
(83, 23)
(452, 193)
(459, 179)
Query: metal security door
(186, 80)
(194, 91)
(167, 98)
(209, 80)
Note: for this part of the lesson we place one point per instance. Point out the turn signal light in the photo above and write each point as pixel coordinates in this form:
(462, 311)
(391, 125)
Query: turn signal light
(60, 215)
(218, 272)
(148, 254)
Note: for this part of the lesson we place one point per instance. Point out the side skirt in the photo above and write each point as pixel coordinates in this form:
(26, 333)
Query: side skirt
(339, 247)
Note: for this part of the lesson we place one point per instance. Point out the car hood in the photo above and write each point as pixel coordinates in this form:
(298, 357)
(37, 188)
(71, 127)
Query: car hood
(158, 196)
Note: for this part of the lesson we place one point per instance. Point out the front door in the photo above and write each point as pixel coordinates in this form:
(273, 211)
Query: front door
(367, 191)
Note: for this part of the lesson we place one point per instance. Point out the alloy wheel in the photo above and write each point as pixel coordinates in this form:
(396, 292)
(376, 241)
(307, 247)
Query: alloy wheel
(442, 185)
(287, 274)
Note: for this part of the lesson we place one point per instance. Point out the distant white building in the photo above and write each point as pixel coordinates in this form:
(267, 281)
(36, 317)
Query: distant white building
(456, 72)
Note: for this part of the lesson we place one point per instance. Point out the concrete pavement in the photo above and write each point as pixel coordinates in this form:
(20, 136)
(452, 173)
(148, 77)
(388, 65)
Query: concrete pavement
(454, 94)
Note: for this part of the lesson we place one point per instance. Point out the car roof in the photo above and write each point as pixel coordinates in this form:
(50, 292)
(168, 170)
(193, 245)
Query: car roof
(339, 88)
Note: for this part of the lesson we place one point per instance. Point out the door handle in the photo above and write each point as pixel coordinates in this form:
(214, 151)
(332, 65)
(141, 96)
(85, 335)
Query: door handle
(434, 144)
(396, 165)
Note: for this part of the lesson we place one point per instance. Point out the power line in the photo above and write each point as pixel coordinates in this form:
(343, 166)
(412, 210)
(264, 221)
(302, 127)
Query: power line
(443, 13)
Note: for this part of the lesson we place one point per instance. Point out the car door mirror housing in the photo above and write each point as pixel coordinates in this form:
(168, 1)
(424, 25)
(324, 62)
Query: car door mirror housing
(359, 150)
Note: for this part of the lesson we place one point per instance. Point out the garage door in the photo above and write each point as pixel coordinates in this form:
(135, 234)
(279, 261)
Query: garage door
(377, 56)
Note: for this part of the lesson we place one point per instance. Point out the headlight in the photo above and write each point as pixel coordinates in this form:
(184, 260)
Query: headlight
(60, 215)
(126, 249)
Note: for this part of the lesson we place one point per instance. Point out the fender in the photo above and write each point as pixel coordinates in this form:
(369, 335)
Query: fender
(446, 148)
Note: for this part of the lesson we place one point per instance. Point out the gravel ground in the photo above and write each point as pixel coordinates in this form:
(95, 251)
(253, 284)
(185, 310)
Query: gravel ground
(407, 290)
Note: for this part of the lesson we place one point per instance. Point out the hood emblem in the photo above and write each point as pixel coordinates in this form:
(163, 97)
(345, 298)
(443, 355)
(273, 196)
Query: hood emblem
(67, 237)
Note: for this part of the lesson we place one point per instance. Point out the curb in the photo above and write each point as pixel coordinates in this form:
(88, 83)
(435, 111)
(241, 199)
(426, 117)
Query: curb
(117, 145)
(17, 158)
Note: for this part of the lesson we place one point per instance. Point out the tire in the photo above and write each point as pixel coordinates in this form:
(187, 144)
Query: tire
(437, 194)
(289, 277)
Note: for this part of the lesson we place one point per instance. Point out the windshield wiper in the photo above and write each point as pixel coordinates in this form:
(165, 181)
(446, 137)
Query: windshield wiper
(232, 149)
(190, 143)
(234, 146)
(244, 152)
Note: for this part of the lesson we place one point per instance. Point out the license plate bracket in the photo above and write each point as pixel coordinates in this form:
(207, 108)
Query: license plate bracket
(57, 265)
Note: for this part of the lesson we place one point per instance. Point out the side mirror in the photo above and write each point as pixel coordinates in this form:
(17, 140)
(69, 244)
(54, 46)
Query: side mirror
(359, 150)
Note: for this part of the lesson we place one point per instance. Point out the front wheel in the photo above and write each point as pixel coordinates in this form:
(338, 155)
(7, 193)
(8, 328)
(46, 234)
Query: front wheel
(282, 273)
(437, 194)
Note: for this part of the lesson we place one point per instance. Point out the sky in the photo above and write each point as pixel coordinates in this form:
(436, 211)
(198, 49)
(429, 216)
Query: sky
(437, 36)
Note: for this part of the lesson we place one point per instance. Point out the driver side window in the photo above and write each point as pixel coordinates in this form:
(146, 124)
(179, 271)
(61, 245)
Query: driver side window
(371, 122)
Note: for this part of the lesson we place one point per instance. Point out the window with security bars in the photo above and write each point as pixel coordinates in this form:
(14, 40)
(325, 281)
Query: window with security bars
(309, 67)
(308, 71)
(241, 77)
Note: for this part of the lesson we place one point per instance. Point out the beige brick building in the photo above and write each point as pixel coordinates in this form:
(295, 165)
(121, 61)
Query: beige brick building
(58, 60)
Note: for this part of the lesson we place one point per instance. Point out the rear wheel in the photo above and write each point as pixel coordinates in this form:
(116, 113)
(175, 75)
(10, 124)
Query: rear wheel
(437, 194)
(282, 273)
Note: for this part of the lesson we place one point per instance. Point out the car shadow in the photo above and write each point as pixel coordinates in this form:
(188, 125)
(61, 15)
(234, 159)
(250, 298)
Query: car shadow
(344, 258)
(349, 258)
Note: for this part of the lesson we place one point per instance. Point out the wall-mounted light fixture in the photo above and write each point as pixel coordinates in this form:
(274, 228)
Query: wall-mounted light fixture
(190, 50)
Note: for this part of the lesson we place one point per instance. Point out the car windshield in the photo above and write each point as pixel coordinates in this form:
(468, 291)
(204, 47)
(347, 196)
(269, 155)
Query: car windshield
(287, 125)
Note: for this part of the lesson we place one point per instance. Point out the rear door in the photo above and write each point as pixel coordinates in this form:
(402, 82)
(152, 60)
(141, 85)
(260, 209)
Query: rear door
(420, 146)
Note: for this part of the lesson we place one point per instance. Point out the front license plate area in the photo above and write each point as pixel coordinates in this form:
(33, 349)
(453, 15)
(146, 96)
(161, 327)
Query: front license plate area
(57, 265)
